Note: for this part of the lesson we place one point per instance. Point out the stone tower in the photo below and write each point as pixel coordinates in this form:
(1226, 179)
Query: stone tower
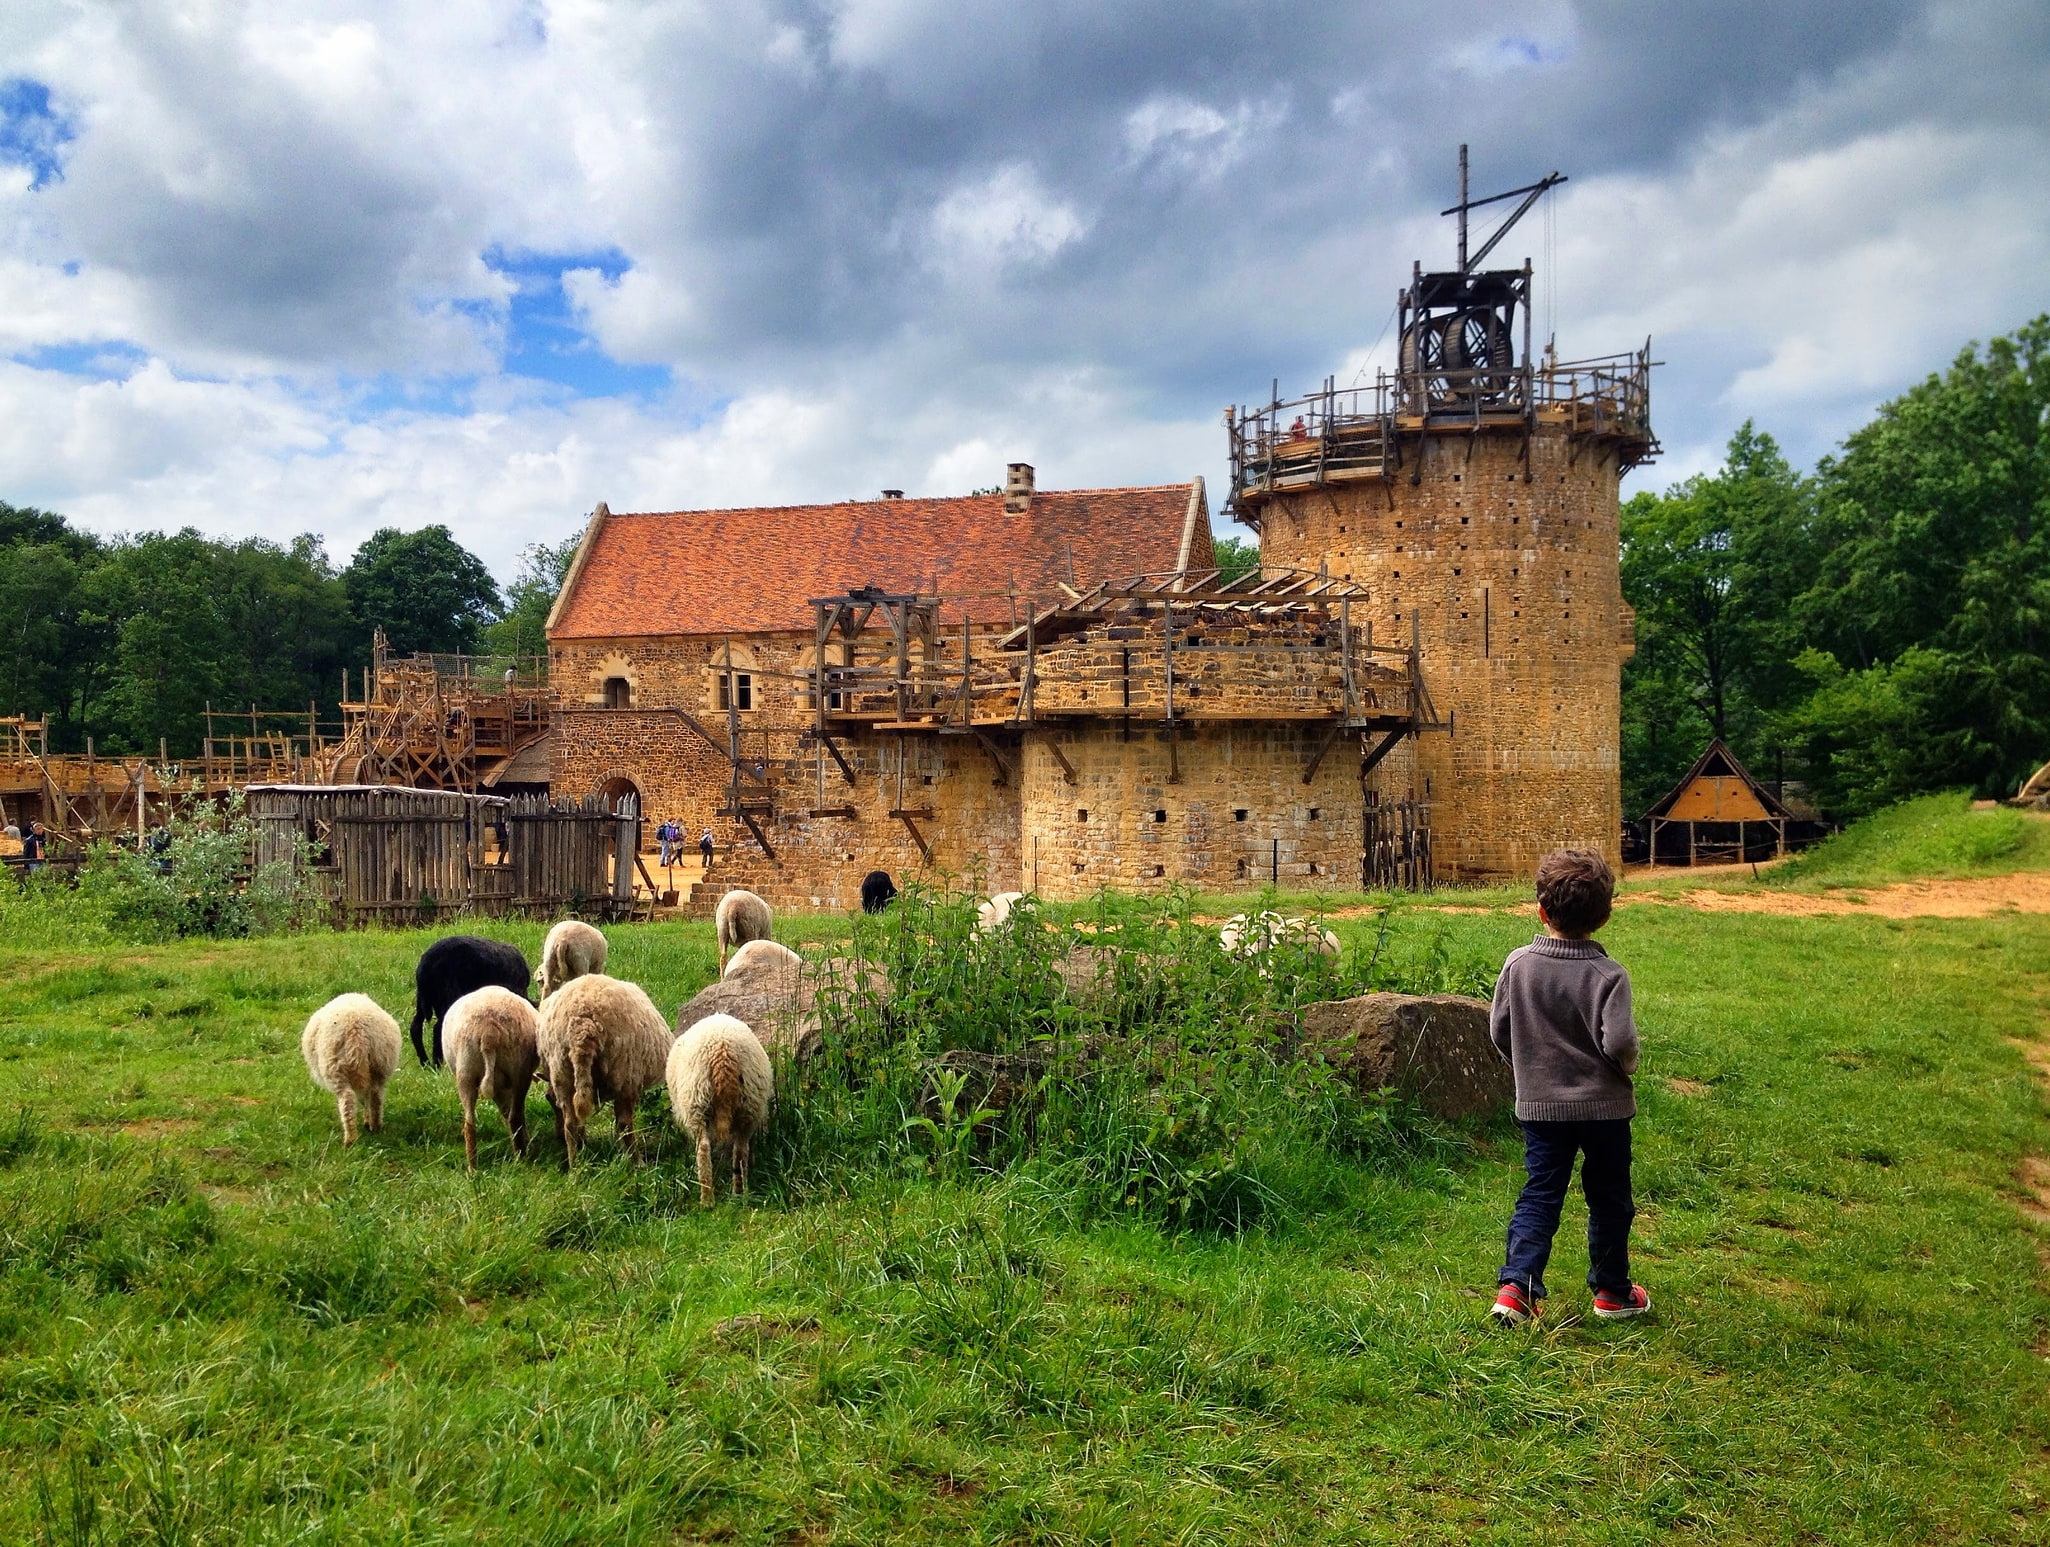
(1473, 491)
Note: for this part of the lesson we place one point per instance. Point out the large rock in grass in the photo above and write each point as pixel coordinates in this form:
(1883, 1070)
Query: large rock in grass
(775, 999)
(1433, 1047)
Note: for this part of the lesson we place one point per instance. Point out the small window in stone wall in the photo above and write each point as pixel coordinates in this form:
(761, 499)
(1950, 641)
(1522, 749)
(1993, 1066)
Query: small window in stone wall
(1316, 813)
(619, 693)
(1239, 815)
(1160, 816)
(736, 690)
(1081, 816)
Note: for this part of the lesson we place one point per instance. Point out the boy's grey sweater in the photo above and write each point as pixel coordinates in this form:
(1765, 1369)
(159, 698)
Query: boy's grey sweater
(1562, 1019)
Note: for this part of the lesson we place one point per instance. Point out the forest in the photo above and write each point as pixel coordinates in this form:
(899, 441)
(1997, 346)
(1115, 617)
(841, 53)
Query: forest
(1871, 629)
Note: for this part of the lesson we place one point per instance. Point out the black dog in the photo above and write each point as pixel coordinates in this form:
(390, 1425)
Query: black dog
(455, 966)
(878, 891)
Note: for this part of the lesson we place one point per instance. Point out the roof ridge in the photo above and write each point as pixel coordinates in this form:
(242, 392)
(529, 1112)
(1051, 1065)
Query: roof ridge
(908, 499)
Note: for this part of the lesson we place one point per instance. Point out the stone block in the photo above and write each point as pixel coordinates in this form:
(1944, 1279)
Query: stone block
(1433, 1047)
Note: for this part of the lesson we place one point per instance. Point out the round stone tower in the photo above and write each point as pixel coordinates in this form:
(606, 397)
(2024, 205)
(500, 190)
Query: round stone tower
(1474, 494)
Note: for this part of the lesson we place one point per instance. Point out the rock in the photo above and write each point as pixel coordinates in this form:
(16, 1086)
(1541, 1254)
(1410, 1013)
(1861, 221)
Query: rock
(996, 1081)
(1433, 1047)
(773, 999)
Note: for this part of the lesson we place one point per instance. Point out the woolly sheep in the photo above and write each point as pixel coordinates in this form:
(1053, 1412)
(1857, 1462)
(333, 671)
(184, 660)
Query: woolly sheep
(351, 1047)
(741, 917)
(720, 1087)
(492, 1051)
(759, 954)
(878, 891)
(453, 967)
(995, 912)
(572, 949)
(600, 1039)
(1249, 934)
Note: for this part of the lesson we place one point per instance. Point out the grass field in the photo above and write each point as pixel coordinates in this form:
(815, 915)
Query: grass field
(218, 1326)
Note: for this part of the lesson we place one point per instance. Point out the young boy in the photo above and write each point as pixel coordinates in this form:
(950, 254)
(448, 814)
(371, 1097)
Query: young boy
(1562, 1019)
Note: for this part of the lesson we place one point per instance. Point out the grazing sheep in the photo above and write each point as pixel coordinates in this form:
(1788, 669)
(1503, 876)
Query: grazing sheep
(453, 967)
(757, 954)
(572, 949)
(878, 891)
(600, 1039)
(742, 917)
(492, 1051)
(720, 1087)
(351, 1047)
(1250, 934)
(994, 913)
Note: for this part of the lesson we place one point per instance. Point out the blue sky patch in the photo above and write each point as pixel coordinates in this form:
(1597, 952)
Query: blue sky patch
(32, 133)
(101, 360)
(543, 339)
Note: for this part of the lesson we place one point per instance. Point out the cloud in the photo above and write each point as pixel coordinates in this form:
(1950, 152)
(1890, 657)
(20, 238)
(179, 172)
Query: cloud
(489, 262)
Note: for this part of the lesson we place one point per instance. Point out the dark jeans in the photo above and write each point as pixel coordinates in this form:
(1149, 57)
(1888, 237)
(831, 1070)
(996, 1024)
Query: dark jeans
(1548, 1151)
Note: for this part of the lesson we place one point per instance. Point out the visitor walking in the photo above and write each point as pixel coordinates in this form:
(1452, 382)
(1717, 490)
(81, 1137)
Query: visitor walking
(33, 843)
(1562, 1019)
(666, 835)
(705, 847)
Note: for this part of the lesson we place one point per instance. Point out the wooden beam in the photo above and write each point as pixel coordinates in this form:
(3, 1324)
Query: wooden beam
(1317, 758)
(1381, 749)
(997, 755)
(846, 772)
(911, 827)
(761, 837)
(1067, 768)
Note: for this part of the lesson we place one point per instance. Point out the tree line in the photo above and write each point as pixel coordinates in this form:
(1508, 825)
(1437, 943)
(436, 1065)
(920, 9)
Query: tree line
(1872, 630)
(126, 639)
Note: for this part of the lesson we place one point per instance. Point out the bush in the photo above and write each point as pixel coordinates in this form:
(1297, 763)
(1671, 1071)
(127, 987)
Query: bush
(1161, 1083)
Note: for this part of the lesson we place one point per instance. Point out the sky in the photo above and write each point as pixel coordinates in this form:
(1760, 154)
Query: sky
(286, 266)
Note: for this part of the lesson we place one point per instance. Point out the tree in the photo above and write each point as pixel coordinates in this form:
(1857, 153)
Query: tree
(1235, 557)
(522, 628)
(1933, 597)
(1711, 567)
(424, 589)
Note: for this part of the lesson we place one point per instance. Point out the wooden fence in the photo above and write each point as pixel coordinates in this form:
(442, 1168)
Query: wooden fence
(1398, 847)
(384, 852)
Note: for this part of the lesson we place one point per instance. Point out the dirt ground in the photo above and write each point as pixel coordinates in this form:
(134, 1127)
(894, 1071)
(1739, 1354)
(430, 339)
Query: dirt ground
(1979, 897)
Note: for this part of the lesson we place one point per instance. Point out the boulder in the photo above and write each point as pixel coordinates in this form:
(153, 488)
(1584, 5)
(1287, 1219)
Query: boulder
(774, 999)
(1433, 1047)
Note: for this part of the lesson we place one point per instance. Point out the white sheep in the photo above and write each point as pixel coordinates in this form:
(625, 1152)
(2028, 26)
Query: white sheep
(1250, 934)
(572, 950)
(763, 955)
(600, 1039)
(351, 1047)
(741, 917)
(489, 1037)
(993, 913)
(720, 1087)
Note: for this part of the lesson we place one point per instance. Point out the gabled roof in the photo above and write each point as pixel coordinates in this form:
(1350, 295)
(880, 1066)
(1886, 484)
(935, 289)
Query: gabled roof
(1719, 762)
(750, 571)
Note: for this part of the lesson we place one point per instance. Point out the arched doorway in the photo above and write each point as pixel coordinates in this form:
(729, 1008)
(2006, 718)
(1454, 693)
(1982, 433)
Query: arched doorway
(619, 787)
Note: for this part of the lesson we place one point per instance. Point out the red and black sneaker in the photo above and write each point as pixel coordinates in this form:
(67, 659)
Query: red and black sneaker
(1513, 1306)
(1611, 1306)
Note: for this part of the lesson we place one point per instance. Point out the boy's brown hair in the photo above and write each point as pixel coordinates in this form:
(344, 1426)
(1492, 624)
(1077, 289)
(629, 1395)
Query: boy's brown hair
(1576, 889)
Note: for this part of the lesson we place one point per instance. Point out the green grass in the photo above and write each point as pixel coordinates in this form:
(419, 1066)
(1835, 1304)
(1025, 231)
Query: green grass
(218, 1326)
(1935, 836)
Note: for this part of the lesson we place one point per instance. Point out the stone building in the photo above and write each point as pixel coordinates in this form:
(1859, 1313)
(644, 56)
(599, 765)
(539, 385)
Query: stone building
(1043, 689)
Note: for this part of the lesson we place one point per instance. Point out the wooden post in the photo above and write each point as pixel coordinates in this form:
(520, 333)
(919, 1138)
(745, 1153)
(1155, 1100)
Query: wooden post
(1345, 657)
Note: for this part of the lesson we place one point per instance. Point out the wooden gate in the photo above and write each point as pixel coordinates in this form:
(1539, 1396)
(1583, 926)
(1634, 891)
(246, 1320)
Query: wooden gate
(1398, 849)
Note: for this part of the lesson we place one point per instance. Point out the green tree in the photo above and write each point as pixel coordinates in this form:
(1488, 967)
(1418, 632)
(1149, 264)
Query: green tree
(424, 589)
(522, 628)
(1933, 597)
(1236, 557)
(1712, 567)
(51, 657)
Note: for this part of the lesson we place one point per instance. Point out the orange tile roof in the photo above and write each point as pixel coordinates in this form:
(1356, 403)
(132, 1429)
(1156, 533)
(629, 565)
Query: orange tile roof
(750, 571)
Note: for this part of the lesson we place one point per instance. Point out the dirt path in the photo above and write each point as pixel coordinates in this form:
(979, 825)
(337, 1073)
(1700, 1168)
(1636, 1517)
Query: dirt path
(1980, 897)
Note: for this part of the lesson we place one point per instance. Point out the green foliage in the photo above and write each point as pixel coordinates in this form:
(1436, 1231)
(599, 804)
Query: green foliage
(521, 628)
(1931, 836)
(423, 588)
(1234, 556)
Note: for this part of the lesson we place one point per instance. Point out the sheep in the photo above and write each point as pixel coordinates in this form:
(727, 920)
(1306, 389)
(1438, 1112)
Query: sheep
(878, 891)
(741, 917)
(994, 913)
(351, 1047)
(492, 1051)
(720, 1087)
(600, 1039)
(757, 954)
(1250, 934)
(572, 949)
(453, 967)
(765, 988)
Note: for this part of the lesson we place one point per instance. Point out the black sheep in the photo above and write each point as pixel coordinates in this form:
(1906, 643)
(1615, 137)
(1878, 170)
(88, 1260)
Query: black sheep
(453, 967)
(878, 891)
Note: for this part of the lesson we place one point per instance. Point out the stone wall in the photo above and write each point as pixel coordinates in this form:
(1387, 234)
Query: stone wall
(1523, 631)
(1238, 815)
(676, 773)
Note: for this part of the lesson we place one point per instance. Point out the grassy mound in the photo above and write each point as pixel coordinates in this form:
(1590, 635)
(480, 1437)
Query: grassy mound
(1932, 836)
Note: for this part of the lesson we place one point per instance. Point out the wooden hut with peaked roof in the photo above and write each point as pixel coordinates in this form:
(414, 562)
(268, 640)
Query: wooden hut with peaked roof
(1718, 813)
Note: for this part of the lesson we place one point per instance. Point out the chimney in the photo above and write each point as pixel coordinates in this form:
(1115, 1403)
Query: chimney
(893, 494)
(1017, 488)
